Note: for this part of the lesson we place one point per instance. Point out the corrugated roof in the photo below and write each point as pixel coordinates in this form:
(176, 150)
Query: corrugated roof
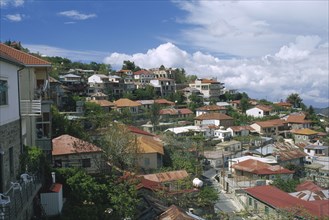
(282, 200)
(175, 213)
(213, 116)
(22, 57)
(66, 144)
(260, 168)
(211, 108)
(136, 130)
(149, 145)
(167, 176)
(308, 185)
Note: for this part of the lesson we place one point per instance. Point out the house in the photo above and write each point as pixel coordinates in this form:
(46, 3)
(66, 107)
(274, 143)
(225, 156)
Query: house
(69, 151)
(70, 79)
(190, 131)
(34, 98)
(176, 213)
(146, 104)
(163, 86)
(209, 88)
(163, 73)
(221, 134)
(143, 77)
(270, 128)
(318, 170)
(132, 106)
(235, 104)
(240, 130)
(175, 113)
(13, 64)
(304, 135)
(217, 158)
(298, 121)
(259, 111)
(255, 169)
(232, 146)
(188, 91)
(316, 150)
(309, 191)
(287, 153)
(210, 109)
(217, 119)
(270, 202)
(284, 105)
(168, 179)
(106, 105)
(58, 92)
(150, 152)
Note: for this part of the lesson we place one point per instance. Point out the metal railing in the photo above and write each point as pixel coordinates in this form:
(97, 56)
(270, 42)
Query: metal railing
(21, 195)
(31, 107)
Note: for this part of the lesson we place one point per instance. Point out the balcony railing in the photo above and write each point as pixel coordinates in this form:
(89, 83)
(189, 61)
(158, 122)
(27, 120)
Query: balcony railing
(20, 197)
(31, 107)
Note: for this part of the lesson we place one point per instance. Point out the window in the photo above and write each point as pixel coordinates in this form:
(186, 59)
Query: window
(86, 163)
(3, 92)
(250, 201)
(266, 210)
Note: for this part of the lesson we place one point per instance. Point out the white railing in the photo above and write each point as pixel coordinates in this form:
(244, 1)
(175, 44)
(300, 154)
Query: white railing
(31, 107)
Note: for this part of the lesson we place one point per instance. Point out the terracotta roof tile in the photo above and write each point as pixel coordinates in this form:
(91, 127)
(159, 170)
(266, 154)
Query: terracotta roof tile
(66, 144)
(211, 108)
(271, 123)
(164, 101)
(265, 108)
(297, 119)
(213, 116)
(241, 128)
(136, 130)
(121, 103)
(103, 103)
(22, 57)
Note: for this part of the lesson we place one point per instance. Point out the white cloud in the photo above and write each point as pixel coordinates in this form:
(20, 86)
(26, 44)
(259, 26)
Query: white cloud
(75, 15)
(272, 77)
(250, 28)
(14, 3)
(15, 17)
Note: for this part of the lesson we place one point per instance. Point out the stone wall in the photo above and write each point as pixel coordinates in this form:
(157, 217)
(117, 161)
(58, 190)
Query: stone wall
(10, 141)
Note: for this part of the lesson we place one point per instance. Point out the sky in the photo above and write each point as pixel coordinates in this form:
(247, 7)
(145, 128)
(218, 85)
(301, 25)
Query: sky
(268, 49)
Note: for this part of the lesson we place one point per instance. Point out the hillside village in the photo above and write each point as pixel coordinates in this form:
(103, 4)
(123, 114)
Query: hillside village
(152, 144)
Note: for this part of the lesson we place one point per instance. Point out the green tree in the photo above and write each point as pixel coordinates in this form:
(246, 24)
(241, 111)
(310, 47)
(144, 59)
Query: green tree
(285, 185)
(244, 104)
(128, 65)
(154, 115)
(295, 100)
(180, 76)
(195, 102)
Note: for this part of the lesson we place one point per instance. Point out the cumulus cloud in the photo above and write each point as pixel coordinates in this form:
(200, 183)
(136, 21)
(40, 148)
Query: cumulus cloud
(271, 77)
(75, 15)
(14, 17)
(251, 29)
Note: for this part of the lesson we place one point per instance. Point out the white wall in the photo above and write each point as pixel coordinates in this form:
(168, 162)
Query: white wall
(10, 112)
(255, 112)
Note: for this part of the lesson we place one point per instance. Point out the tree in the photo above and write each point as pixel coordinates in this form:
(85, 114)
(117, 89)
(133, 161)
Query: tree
(154, 114)
(195, 102)
(295, 100)
(128, 65)
(244, 104)
(285, 185)
(180, 76)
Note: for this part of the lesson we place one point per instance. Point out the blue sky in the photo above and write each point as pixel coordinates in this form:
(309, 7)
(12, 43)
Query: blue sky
(268, 49)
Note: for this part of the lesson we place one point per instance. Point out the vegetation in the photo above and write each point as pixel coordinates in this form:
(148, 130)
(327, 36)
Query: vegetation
(286, 185)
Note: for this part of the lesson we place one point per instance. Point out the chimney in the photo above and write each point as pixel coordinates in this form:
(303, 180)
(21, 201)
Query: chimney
(53, 177)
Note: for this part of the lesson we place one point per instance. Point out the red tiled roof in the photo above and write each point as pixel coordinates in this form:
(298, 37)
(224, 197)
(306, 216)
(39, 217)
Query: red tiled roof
(163, 79)
(209, 81)
(211, 108)
(185, 111)
(308, 185)
(213, 116)
(173, 111)
(148, 184)
(264, 108)
(136, 130)
(164, 101)
(22, 57)
(140, 72)
(297, 119)
(66, 144)
(241, 128)
(282, 200)
(167, 176)
(284, 104)
(271, 123)
(260, 168)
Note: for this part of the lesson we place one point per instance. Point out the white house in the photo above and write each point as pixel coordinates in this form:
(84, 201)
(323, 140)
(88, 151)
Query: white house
(259, 111)
(222, 134)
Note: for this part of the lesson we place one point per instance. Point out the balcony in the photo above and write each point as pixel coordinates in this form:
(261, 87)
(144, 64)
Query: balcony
(19, 197)
(31, 107)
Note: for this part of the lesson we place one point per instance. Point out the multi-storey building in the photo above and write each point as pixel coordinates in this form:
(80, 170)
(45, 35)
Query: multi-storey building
(19, 110)
(163, 86)
(210, 88)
